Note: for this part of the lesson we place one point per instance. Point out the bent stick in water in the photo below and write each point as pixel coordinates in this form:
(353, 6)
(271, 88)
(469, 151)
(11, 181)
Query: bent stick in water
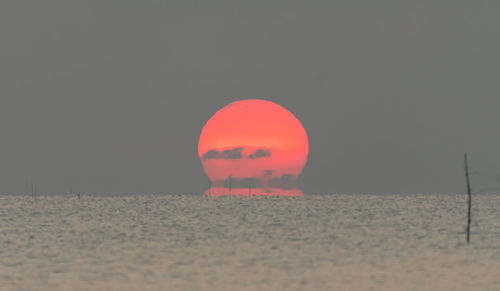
(467, 178)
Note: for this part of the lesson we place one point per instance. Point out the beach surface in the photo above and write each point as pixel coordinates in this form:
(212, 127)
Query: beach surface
(191, 242)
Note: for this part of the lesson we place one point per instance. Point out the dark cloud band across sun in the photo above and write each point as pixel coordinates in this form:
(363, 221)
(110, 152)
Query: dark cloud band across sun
(260, 153)
(229, 154)
(236, 154)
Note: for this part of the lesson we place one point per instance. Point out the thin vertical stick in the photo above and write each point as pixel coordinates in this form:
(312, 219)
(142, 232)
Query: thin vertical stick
(250, 190)
(469, 205)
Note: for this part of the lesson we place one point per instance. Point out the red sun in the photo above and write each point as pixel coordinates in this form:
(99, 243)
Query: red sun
(254, 147)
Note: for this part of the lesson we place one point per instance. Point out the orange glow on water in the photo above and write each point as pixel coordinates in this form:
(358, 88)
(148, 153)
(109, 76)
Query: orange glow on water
(250, 192)
(253, 143)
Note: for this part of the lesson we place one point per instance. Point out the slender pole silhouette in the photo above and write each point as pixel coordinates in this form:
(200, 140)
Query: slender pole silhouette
(469, 204)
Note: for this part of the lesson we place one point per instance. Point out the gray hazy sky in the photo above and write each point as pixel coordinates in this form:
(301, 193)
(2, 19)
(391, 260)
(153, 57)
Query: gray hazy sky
(111, 96)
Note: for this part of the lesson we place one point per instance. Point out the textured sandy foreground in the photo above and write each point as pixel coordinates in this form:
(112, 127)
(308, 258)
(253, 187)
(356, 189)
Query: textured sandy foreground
(184, 242)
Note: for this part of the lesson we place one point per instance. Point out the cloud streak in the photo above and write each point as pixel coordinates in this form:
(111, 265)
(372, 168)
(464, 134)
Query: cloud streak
(235, 154)
(260, 153)
(229, 154)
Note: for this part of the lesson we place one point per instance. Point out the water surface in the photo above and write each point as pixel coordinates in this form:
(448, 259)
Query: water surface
(184, 242)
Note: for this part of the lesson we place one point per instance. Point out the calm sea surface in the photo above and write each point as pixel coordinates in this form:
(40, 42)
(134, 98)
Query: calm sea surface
(184, 242)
